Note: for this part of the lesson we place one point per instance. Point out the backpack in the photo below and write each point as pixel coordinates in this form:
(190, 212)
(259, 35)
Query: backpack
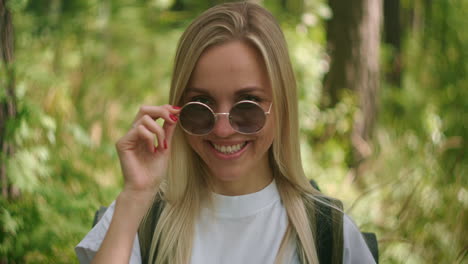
(328, 229)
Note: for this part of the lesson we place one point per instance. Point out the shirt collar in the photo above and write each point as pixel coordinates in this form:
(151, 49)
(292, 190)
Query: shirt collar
(245, 205)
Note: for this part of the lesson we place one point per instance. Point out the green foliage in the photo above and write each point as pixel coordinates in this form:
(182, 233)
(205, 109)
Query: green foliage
(418, 174)
(413, 191)
(84, 67)
(81, 75)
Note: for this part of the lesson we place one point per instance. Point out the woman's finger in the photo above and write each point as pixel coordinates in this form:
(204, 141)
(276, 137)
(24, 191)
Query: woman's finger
(153, 127)
(146, 135)
(169, 131)
(166, 112)
(169, 127)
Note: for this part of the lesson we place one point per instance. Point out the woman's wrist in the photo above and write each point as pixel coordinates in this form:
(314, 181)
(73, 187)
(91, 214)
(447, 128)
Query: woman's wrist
(136, 200)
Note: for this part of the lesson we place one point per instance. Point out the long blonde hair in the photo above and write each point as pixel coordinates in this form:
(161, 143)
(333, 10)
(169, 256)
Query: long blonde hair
(186, 184)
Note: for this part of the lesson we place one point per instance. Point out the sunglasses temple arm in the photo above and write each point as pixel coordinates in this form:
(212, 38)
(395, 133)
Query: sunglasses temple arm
(269, 109)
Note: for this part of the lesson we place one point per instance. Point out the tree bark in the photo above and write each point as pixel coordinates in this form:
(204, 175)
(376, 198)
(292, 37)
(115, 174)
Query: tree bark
(8, 103)
(369, 77)
(392, 30)
(353, 36)
(342, 37)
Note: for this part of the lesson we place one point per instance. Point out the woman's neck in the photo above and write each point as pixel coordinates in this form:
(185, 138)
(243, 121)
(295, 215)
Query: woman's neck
(244, 184)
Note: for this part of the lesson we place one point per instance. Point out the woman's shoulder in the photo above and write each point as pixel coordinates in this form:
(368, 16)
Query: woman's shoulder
(89, 245)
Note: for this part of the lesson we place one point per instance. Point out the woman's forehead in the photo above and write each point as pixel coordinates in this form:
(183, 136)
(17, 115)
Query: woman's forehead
(232, 67)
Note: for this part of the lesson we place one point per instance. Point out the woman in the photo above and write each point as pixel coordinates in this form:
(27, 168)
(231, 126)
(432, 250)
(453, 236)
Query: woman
(225, 183)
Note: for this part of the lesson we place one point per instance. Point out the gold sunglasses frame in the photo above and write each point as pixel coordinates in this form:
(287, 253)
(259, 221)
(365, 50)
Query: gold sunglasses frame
(266, 113)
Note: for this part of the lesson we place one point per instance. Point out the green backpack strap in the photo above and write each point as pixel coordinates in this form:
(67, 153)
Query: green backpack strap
(329, 231)
(146, 229)
(326, 223)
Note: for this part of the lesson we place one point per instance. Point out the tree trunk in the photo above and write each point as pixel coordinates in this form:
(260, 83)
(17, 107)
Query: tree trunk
(353, 36)
(369, 78)
(342, 37)
(7, 99)
(392, 30)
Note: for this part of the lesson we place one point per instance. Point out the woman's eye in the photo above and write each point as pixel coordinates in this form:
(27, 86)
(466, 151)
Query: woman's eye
(201, 99)
(251, 98)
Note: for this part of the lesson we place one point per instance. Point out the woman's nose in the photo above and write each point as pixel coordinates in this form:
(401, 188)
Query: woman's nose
(222, 127)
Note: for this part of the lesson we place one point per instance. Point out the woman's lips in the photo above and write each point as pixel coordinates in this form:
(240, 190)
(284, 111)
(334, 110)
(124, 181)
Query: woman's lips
(228, 150)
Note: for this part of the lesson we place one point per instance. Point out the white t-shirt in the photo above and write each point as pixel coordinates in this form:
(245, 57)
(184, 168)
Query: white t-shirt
(240, 229)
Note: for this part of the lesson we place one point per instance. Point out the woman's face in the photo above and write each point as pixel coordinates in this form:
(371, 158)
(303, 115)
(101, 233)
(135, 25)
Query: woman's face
(226, 74)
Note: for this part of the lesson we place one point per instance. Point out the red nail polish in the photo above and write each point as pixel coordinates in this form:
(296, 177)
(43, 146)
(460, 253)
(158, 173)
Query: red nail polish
(155, 149)
(165, 144)
(173, 117)
(176, 107)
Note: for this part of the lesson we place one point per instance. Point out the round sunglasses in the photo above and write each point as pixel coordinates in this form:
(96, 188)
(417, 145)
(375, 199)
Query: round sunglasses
(246, 117)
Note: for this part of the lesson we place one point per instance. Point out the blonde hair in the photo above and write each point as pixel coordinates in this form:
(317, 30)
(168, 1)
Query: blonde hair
(186, 184)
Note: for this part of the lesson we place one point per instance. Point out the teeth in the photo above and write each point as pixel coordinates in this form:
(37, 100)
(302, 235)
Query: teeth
(229, 149)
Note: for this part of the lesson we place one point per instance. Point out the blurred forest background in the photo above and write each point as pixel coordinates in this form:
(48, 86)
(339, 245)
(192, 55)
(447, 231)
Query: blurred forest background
(383, 102)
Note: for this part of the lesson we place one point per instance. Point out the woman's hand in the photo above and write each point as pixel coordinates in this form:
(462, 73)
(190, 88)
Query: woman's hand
(144, 165)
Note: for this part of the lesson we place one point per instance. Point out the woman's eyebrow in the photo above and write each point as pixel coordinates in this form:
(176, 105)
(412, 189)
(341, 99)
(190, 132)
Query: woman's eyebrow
(250, 89)
(196, 90)
(247, 89)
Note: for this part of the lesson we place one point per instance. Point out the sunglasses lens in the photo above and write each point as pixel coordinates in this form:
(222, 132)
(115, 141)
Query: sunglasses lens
(196, 119)
(247, 118)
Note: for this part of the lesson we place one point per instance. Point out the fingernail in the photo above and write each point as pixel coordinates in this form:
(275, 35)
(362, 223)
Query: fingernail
(173, 117)
(176, 107)
(165, 144)
(155, 149)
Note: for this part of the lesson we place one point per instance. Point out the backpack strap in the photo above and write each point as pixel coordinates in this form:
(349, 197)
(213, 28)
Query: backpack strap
(326, 222)
(147, 227)
(329, 231)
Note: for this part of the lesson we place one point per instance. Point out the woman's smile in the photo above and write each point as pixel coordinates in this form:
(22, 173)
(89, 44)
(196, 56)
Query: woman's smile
(229, 149)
